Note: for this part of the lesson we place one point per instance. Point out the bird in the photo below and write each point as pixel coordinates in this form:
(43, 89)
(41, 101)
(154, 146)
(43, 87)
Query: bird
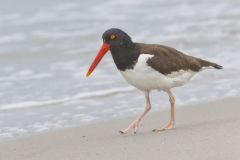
(149, 67)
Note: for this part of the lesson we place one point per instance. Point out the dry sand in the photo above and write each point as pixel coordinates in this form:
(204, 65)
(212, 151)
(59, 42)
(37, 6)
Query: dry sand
(204, 131)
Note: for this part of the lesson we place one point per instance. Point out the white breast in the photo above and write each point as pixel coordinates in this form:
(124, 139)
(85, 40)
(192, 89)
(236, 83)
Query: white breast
(145, 78)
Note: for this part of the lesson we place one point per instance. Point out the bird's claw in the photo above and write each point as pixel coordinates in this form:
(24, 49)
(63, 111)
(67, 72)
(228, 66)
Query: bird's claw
(170, 125)
(133, 125)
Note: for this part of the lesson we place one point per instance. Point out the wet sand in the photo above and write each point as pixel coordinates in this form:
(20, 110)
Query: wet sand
(203, 131)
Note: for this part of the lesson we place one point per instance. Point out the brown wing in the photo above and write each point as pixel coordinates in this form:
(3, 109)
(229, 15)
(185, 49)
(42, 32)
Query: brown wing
(167, 59)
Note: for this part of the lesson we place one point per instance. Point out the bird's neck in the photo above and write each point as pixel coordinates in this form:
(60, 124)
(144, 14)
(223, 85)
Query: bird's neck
(125, 57)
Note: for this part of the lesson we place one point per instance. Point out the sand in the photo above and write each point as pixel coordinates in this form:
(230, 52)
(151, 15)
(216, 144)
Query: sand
(203, 131)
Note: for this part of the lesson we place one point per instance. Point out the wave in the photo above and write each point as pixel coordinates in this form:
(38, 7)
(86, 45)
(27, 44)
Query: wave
(10, 17)
(87, 95)
(15, 37)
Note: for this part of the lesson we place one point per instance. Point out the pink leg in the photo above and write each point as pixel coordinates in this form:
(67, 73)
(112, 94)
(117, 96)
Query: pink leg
(171, 123)
(135, 124)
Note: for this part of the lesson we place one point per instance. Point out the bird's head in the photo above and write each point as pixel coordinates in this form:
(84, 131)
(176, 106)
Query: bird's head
(116, 38)
(112, 39)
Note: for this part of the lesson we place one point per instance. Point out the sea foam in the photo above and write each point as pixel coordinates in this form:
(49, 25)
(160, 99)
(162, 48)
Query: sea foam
(86, 95)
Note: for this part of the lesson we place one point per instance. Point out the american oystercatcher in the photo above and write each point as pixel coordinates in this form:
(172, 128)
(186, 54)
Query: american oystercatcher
(149, 67)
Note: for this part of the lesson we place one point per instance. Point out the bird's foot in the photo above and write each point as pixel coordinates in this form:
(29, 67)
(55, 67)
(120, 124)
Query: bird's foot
(170, 125)
(133, 126)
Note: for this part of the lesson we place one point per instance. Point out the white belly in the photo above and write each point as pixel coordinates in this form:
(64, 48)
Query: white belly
(145, 78)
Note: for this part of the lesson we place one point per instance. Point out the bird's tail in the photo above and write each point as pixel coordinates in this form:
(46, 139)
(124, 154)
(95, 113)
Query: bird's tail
(217, 66)
(205, 63)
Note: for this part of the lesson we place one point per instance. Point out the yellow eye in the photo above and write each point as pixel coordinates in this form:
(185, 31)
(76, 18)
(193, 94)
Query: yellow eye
(112, 37)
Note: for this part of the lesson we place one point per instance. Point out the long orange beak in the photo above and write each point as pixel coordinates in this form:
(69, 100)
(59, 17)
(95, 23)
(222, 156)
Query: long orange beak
(101, 53)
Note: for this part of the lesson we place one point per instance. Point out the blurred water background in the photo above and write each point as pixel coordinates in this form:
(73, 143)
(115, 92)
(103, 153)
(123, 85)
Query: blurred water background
(47, 46)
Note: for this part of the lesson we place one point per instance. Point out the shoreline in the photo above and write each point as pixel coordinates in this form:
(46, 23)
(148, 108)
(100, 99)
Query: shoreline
(202, 131)
(164, 108)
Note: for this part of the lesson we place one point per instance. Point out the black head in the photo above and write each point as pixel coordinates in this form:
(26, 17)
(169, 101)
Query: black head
(116, 38)
(121, 47)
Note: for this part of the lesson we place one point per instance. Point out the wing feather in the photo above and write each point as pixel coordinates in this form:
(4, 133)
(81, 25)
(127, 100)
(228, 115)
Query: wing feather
(167, 60)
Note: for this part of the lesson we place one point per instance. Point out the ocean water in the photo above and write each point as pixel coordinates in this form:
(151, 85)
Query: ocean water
(46, 48)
